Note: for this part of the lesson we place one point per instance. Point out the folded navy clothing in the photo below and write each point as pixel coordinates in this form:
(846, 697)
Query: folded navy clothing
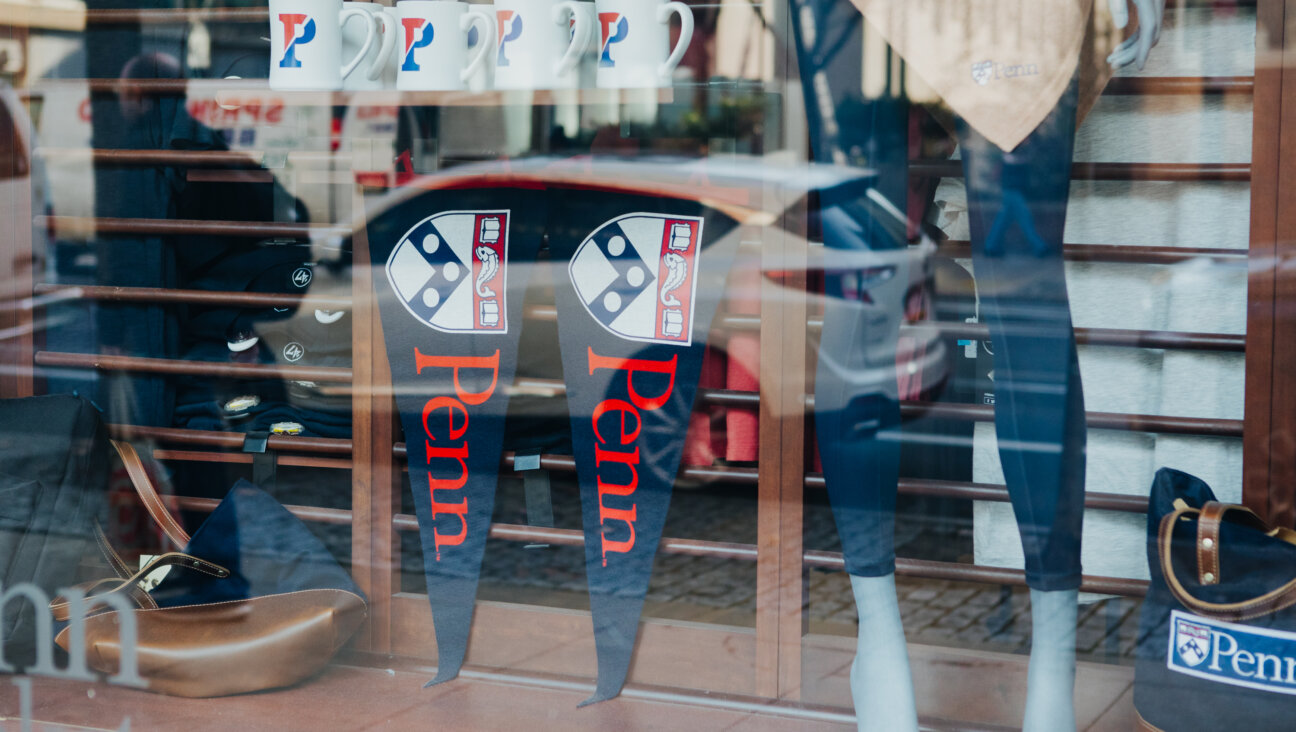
(265, 268)
(245, 413)
(308, 338)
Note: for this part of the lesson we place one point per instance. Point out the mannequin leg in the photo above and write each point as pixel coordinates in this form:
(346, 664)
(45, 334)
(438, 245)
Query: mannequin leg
(858, 429)
(1050, 703)
(857, 407)
(881, 683)
(1017, 205)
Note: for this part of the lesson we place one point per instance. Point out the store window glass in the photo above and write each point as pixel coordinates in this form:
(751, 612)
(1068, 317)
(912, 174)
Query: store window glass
(606, 364)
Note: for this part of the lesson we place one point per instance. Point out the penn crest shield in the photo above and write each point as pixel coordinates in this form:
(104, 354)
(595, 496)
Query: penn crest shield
(449, 271)
(637, 275)
(1192, 641)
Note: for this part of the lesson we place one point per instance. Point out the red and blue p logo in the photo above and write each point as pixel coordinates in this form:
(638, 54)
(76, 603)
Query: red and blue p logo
(615, 28)
(510, 29)
(299, 29)
(415, 28)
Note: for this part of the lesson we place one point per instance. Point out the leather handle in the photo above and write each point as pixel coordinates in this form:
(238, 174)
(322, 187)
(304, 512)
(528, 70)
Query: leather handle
(1208, 534)
(1270, 602)
(148, 495)
(131, 585)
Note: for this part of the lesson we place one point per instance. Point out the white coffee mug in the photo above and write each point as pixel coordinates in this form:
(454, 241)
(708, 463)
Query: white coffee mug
(634, 42)
(306, 43)
(434, 44)
(587, 10)
(483, 77)
(538, 45)
(376, 71)
(589, 55)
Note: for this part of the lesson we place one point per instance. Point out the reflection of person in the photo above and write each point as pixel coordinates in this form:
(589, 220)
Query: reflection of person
(1016, 74)
(135, 103)
(133, 120)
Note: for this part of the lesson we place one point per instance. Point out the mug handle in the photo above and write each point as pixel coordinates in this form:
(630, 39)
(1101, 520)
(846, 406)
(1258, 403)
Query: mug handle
(686, 35)
(580, 39)
(387, 20)
(485, 44)
(347, 14)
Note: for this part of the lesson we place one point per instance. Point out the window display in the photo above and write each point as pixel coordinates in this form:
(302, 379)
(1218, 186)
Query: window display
(631, 363)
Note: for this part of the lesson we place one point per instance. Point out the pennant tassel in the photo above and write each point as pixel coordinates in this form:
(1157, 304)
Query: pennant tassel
(452, 614)
(616, 628)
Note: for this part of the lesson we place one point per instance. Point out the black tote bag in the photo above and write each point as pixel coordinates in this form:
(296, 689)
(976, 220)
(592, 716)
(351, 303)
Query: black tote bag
(1217, 637)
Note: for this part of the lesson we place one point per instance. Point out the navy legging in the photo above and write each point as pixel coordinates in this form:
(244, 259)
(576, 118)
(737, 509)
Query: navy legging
(1017, 206)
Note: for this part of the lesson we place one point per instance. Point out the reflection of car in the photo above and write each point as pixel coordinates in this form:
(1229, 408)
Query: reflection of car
(18, 260)
(866, 245)
(15, 185)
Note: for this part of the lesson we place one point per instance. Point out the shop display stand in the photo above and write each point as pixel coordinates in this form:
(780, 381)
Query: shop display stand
(773, 660)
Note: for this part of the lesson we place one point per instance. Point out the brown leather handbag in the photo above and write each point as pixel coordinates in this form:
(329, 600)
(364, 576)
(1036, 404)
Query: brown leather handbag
(253, 602)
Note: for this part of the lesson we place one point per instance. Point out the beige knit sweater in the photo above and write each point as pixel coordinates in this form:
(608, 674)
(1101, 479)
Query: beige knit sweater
(1002, 65)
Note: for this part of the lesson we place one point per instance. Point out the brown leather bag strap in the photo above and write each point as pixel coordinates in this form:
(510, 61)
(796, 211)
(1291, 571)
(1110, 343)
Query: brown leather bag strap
(131, 585)
(1208, 536)
(118, 564)
(148, 495)
(1270, 602)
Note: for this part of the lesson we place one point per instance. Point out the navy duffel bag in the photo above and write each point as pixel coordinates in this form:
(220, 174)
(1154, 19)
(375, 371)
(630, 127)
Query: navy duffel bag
(1217, 638)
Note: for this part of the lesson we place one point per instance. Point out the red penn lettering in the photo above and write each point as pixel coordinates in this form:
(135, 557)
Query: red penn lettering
(445, 422)
(617, 424)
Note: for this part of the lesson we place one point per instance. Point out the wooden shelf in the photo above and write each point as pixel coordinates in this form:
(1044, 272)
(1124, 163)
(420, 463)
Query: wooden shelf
(229, 92)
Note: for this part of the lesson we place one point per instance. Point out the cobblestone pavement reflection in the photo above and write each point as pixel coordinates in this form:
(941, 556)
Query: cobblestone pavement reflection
(935, 612)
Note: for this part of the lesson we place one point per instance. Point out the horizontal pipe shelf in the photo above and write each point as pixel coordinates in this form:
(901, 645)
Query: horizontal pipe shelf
(927, 569)
(1165, 172)
(1201, 426)
(1119, 86)
(207, 438)
(187, 158)
(1158, 339)
(1095, 420)
(996, 493)
(1180, 85)
(92, 225)
(179, 367)
(145, 16)
(567, 464)
(295, 461)
(721, 397)
(48, 294)
(316, 514)
(1086, 336)
(230, 91)
(1236, 172)
(1118, 253)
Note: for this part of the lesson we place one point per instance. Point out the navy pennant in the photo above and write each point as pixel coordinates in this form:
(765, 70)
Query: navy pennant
(450, 270)
(644, 278)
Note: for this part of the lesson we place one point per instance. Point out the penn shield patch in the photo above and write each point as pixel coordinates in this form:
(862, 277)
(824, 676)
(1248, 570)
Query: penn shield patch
(449, 271)
(1228, 653)
(637, 275)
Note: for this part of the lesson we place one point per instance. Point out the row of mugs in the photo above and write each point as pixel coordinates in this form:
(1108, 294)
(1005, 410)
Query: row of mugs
(446, 45)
